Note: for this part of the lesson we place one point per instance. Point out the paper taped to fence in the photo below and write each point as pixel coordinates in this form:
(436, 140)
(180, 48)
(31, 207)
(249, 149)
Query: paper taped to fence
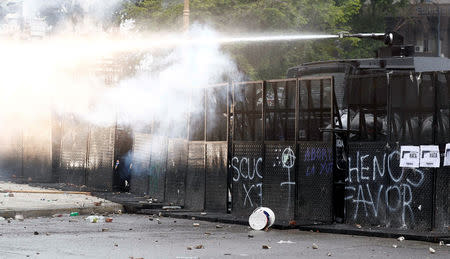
(409, 156)
(429, 156)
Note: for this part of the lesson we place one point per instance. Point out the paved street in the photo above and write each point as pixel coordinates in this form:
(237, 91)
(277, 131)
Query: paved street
(135, 236)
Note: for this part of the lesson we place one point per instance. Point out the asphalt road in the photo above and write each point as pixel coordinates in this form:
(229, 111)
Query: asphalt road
(135, 236)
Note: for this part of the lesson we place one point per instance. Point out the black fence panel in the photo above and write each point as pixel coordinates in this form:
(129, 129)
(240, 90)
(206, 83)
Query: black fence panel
(158, 163)
(379, 192)
(366, 184)
(195, 177)
(442, 210)
(101, 158)
(11, 153)
(74, 143)
(315, 182)
(37, 153)
(216, 176)
(246, 167)
(279, 181)
(141, 163)
(177, 153)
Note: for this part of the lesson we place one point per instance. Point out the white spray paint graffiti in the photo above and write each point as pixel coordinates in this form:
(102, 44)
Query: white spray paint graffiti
(242, 169)
(250, 170)
(397, 197)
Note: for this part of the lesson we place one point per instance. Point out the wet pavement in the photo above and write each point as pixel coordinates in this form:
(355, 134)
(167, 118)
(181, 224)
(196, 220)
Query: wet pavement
(141, 236)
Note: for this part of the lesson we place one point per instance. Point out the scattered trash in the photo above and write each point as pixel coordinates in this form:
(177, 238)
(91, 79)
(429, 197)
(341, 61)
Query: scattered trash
(171, 207)
(189, 248)
(285, 242)
(8, 194)
(219, 226)
(95, 219)
(196, 224)
(441, 243)
(250, 236)
(203, 213)
(47, 234)
(315, 246)
(199, 247)
(431, 250)
(105, 229)
(73, 214)
(394, 246)
(36, 233)
(116, 245)
(265, 247)
(447, 244)
(261, 218)
(358, 226)
(227, 254)
(159, 222)
(193, 218)
(292, 223)
(109, 220)
(97, 203)
(73, 220)
(119, 212)
(18, 217)
(329, 254)
(207, 234)
(2, 219)
(401, 239)
(150, 218)
(57, 215)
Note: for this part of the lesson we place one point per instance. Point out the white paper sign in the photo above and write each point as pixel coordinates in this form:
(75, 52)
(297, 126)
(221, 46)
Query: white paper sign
(429, 156)
(447, 155)
(409, 156)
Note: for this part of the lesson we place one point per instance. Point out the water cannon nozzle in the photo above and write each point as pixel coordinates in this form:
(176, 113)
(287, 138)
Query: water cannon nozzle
(393, 38)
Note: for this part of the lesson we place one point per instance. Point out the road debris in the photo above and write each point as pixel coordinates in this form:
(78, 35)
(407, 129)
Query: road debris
(195, 224)
(36, 233)
(189, 248)
(250, 236)
(73, 214)
(401, 238)
(171, 207)
(285, 242)
(431, 250)
(315, 246)
(95, 219)
(219, 226)
(328, 254)
(394, 246)
(358, 226)
(108, 220)
(2, 219)
(199, 247)
(203, 213)
(441, 243)
(97, 203)
(105, 229)
(265, 247)
(18, 217)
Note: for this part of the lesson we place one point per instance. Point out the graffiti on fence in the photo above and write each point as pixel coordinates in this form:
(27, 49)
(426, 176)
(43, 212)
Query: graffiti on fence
(246, 168)
(363, 172)
(319, 160)
(248, 171)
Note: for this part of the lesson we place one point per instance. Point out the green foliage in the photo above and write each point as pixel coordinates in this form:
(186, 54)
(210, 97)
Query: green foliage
(259, 17)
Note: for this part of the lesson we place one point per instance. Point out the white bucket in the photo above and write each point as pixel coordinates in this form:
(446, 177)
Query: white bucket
(261, 218)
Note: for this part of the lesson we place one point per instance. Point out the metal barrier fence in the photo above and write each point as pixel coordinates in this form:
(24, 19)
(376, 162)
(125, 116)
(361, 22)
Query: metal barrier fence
(267, 143)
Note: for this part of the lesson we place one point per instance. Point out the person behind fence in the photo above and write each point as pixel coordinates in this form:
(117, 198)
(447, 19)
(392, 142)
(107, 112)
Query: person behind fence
(123, 168)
